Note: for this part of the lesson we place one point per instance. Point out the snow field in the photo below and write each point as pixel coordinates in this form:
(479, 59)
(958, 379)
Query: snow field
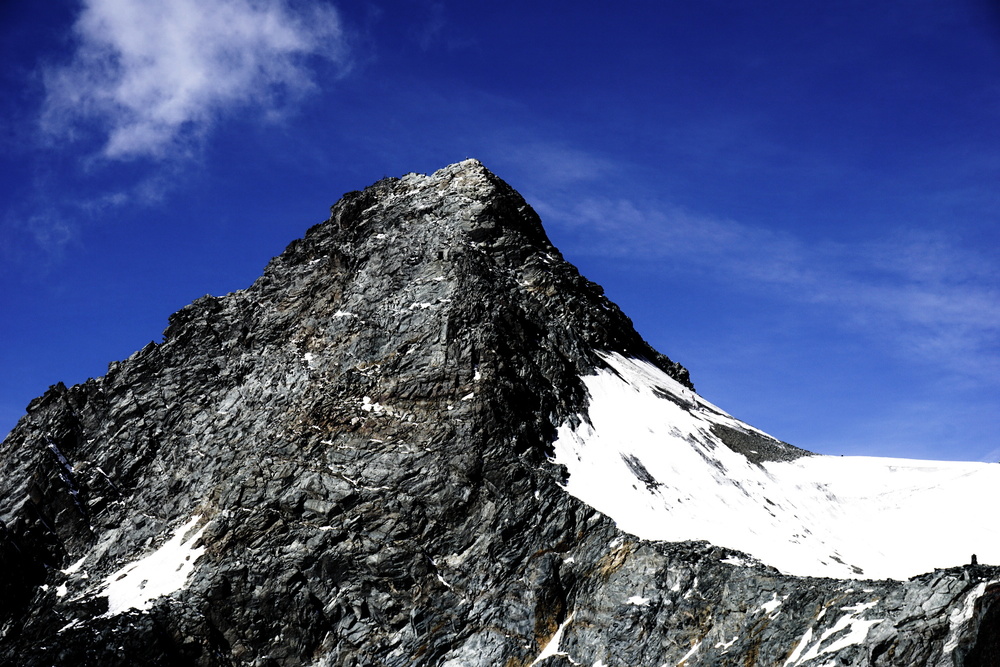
(645, 456)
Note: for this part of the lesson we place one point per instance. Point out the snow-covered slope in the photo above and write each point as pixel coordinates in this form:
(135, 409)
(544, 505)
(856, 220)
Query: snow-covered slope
(667, 465)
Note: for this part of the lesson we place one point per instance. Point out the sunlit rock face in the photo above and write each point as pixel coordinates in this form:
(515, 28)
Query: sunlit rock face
(422, 438)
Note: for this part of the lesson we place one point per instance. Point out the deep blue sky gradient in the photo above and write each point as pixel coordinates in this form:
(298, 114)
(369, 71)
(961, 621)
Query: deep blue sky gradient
(798, 201)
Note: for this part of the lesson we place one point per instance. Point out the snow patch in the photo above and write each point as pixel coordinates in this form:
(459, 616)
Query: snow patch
(439, 575)
(687, 656)
(72, 624)
(551, 649)
(857, 630)
(368, 405)
(162, 572)
(638, 601)
(770, 606)
(794, 657)
(959, 618)
(737, 561)
(75, 567)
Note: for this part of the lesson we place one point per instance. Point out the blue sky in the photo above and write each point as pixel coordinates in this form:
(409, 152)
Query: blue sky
(798, 201)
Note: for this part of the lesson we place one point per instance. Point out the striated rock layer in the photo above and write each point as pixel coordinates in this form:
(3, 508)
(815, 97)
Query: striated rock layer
(351, 463)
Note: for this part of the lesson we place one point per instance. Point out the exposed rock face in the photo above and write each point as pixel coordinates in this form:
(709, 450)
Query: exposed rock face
(348, 464)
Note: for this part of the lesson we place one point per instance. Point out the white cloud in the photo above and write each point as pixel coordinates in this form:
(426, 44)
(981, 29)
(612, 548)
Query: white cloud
(155, 74)
(924, 294)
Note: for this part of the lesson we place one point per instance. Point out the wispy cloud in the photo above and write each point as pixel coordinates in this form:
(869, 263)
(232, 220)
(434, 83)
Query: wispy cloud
(36, 238)
(550, 164)
(430, 32)
(38, 231)
(924, 293)
(150, 76)
(50, 231)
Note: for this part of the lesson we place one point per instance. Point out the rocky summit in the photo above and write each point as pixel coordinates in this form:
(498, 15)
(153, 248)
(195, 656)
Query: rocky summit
(374, 455)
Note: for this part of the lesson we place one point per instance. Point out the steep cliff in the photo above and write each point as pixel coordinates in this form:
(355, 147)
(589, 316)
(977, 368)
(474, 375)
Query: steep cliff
(361, 459)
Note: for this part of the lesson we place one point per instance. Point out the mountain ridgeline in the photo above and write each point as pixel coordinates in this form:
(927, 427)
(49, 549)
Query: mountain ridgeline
(357, 461)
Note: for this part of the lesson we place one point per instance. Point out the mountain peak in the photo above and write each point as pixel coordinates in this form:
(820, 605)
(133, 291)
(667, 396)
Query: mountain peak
(459, 238)
(465, 197)
(392, 449)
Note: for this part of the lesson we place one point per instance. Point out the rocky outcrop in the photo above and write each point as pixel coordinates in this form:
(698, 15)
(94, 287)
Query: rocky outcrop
(348, 463)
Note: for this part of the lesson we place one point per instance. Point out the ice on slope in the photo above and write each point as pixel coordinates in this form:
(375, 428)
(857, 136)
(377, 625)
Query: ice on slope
(646, 455)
